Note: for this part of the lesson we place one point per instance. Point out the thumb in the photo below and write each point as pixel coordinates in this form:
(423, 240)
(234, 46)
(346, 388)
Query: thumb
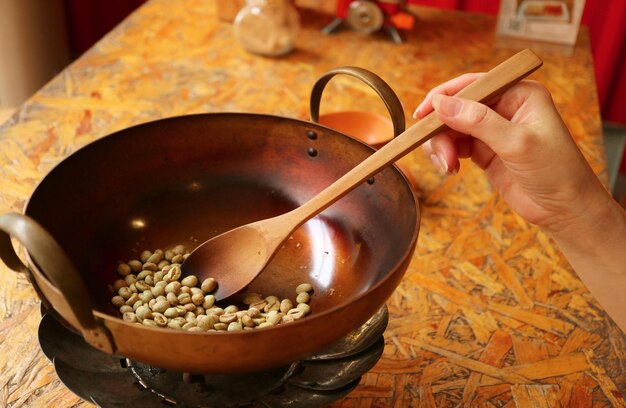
(474, 119)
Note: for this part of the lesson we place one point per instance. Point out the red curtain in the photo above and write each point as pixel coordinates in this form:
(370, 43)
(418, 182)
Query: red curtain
(607, 29)
(90, 20)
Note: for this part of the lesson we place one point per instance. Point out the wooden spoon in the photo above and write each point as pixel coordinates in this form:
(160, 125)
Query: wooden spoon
(236, 257)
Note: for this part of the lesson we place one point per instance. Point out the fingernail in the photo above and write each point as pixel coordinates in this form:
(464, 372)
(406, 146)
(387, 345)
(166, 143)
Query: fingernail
(447, 105)
(455, 170)
(444, 163)
(439, 164)
(417, 110)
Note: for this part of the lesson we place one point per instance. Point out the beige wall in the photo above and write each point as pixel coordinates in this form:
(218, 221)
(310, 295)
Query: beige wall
(33, 47)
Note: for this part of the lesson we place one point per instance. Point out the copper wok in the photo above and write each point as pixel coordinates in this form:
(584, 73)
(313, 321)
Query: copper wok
(186, 179)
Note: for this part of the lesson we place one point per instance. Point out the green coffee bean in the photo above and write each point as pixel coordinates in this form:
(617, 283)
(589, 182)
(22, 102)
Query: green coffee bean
(274, 317)
(130, 279)
(285, 305)
(259, 304)
(209, 301)
(208, 285)
(174, 273)
(228, 318)
(247, 321)
(132, 299)
(272, 299)
(125, 293)
(197, 299)
(142, 275)
(120, 283)
(304, 308)
(184, 298)
(173, 287)
(150, 266)
(123, 269)
(220, 326)
(170, 312)
(189, 325)
(159, 319)
(296, 313)
(273, 306)
(189, 281)
(231, 309)
(143, 312)
(126, 309)
(172, 298)
(258, 320)
(178, 259)
(149, 322)
(156, 257)
(303, 287)
(234, 326)
(142, 286)
(303, 297)
(206, 322)
(174, 325)
(161, 306)
(157, 291)
(145, 255)
(179, 250)
(119, 301)
(135, 265)
(129, 317)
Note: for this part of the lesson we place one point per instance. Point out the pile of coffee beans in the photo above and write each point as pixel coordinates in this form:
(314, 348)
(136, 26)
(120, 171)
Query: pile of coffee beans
(152, 291)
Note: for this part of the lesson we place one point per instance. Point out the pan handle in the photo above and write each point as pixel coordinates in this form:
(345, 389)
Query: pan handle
(51, 258)
(375, 82)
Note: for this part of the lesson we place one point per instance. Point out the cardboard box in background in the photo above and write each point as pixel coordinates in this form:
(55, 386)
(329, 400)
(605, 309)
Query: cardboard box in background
(545, 20)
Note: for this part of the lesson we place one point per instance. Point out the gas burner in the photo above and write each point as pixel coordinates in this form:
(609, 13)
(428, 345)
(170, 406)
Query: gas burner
(112, 381)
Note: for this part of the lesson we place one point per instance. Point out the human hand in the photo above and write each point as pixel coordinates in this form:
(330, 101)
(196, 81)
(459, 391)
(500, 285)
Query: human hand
(524, 147)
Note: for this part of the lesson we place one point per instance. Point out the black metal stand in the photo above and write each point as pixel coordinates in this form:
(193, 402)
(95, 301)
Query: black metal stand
(111, 381)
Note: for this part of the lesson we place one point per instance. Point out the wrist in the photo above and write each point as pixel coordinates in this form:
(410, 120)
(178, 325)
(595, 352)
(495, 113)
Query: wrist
(598, 228)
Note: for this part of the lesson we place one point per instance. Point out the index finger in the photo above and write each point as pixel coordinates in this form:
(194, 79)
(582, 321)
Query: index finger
(450, 88)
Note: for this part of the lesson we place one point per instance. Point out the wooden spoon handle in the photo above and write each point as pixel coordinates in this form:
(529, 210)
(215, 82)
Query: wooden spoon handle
(492, 83)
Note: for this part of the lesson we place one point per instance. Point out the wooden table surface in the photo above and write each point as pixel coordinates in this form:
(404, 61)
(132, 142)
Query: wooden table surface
(487, 296)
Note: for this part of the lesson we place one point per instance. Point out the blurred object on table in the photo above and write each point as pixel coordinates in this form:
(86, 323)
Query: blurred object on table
(369, 16)
(267, 27)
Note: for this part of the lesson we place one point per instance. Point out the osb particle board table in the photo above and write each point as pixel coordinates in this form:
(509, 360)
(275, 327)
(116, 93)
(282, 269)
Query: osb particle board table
(487, 298)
